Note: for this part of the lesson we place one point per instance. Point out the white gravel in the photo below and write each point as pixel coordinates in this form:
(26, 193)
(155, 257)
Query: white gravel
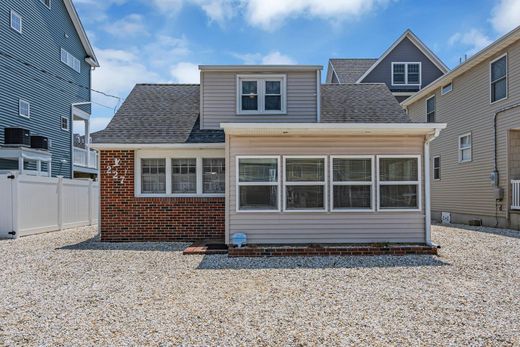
(66, 289)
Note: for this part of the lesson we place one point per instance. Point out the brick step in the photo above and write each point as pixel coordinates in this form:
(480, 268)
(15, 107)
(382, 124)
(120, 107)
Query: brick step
(206, 249)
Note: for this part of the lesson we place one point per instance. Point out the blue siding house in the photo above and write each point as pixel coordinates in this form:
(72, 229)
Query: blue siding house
(45, 77)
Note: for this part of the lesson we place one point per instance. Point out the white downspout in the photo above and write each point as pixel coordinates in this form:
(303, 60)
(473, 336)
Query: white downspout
(318, 96)
(427, 197)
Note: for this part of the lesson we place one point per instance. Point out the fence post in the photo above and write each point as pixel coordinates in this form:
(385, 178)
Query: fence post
(15, 200)
(90, 201)
(60, 202)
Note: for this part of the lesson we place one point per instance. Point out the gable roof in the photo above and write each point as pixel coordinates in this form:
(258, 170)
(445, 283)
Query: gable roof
(159, 114)
(481, 56)
(408, 34)
(349, 70)
(91, 59)
(360, 103)
(169, 113)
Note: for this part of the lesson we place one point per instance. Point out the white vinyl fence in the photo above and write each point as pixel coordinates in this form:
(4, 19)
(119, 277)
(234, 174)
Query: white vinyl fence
(34, 204)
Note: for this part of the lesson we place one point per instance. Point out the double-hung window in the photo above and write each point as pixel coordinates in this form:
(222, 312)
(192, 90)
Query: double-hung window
(352, 180)
(399, 182)
(406, 74)
(153, 176)
(64, 123)
(259, 94)
(305, 183)
(499, 79)
(24, 108)
(258, 183)
(16, 22)
(430, 109)
(437, 168)
(213, 175)
(465, 148)
(184, 176)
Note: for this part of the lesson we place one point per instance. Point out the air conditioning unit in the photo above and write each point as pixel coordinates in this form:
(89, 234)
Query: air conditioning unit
(39, 142)
(17, 137)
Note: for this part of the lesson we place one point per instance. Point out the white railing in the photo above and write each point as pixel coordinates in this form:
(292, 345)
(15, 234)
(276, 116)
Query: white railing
(515, 194)
(80, 158)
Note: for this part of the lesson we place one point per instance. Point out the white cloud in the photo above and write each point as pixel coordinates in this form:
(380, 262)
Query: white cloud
(217, 10)
(270, 14)
(272, 58)
(128, 26)
(185, 72)
(505, 16)
(167, 49)
(474, 39)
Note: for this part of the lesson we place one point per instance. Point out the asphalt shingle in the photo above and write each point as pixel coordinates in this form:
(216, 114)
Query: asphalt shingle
(350, 70)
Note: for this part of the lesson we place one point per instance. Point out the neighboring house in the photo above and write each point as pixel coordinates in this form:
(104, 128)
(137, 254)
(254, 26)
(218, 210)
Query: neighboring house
(267, 151)
(476, 158)
(45, 64)
(406, 67)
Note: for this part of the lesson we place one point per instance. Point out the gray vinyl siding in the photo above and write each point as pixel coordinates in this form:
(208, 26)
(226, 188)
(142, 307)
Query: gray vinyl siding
(465, 188)
(323, 227)
(405, 51)
(218, 93)
(40, 44)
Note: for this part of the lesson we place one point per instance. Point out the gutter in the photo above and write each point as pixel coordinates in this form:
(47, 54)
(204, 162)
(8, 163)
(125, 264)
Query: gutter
(129, 146)
(427, 188)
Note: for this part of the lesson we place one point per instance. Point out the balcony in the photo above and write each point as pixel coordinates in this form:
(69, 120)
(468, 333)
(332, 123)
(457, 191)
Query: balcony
(85, 158)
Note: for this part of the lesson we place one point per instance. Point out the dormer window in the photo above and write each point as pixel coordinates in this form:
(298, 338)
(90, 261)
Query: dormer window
(261, 94)
(406, 74)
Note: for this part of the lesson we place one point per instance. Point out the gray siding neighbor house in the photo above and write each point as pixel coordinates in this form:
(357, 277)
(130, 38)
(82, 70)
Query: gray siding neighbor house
(405, 67)
(267, 151)
(45, 64)
(476, 160)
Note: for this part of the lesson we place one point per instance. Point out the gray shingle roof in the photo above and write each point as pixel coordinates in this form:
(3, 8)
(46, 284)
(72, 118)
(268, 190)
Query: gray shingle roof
(360, 103)
(350, 70)
(169, 113)
(158, 113)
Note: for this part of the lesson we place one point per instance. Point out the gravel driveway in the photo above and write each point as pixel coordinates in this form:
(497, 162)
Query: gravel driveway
(64, 288)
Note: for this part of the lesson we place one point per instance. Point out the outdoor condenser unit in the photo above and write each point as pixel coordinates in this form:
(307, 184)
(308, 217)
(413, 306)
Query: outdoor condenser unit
(39, 142)
(17, 137)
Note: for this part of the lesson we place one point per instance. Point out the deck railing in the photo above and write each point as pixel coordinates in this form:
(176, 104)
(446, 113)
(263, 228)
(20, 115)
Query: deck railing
(80, 158)
(515, 194)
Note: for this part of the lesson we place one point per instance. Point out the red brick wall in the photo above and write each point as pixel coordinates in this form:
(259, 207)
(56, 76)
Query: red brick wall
(125, 217)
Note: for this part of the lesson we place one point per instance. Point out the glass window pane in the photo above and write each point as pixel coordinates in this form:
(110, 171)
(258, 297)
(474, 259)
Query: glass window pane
(250, 103)
(465, 141)
(273, 103)
(352, 197)
(413, 68)
(498, 69)
(272, 87)
(249, 87)
(352, 170)
(184, 176)
(465, 154)
(398, 196)
(258, 197)
(430, 105)
(499, 90)
(213, 175)
(153, 176)
(258, 170)
(304, 197)
(398, 169)
(305, 170)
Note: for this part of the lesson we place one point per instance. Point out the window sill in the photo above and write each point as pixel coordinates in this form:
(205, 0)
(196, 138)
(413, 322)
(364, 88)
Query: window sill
(399, 210)
(352, 210)
(499, 100)
(179, 195)
(256, 113)
(258, 211)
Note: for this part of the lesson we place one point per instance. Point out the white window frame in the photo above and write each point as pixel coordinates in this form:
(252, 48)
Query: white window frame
(70, 60)
(436, 167)
(169, 155)
(15, 14)
(260, 79)
(418, 183)
(353, 183)
(406, 73)
(50, 3)
(20, 102)
(309, 183)
(238, 184)
(434, 108)
(506, 78)
(470, 147)
(61, 123)
(449, 86)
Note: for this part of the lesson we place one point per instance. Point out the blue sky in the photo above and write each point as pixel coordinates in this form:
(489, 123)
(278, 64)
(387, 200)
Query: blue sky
(139, 41)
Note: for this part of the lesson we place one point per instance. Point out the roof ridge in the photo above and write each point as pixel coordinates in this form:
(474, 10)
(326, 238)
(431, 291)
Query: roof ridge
(167, 84)
(353, 58)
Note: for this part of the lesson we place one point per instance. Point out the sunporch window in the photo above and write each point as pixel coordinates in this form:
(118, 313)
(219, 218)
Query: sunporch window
(184, 176)
(213, 175)
(305, 184)
(399, 183)
(153, 176)
(352, 183)
(258, 184)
